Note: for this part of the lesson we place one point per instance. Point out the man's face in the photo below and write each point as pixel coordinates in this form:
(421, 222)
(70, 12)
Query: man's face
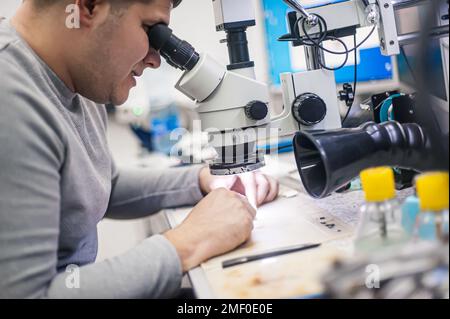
(118, 51)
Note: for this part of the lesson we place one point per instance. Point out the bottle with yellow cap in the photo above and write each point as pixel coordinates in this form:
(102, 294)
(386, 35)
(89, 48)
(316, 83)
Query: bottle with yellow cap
(381, 217)
(433, 193)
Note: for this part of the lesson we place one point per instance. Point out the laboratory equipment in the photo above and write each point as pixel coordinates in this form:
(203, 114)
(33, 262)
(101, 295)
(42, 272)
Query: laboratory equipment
(232, 104)
(381, 217)
(414, 271)
(374, 69)
(433, 193)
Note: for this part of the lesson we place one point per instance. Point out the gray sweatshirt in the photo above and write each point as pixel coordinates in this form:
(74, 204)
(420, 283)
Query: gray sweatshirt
(58, 180)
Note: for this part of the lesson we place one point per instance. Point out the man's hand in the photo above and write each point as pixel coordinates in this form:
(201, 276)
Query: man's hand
(257, 187)
(222, 221)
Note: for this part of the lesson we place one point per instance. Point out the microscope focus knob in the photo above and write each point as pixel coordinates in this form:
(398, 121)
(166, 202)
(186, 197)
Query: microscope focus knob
(309, 109)
(256, 110)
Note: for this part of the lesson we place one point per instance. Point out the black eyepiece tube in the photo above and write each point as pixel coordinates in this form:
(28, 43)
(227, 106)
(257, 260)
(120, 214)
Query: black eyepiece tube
(178, 53)
(238, 46)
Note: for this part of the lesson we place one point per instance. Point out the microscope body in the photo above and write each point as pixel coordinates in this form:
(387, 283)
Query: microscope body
(224, 98)
(313, 107)
(233, 106)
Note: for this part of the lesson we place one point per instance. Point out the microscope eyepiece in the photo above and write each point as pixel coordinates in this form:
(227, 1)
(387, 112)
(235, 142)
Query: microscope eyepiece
(178, 53)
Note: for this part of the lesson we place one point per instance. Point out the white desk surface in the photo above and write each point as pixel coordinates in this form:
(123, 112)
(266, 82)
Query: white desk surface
(294, 218)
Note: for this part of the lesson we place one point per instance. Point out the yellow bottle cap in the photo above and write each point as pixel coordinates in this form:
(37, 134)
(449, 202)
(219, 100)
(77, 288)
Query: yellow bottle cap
(378, 184)
(432, 190)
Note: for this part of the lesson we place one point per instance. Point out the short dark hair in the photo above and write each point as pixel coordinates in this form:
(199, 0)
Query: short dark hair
(43, 3)
(47, 3)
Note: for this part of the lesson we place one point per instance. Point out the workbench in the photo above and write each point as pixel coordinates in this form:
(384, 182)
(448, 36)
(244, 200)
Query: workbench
(294, 218)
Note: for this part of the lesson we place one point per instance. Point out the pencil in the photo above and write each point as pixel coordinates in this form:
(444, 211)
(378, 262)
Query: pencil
(279, 252)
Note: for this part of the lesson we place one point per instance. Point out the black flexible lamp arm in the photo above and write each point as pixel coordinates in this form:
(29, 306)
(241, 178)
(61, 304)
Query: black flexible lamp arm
(329, 160)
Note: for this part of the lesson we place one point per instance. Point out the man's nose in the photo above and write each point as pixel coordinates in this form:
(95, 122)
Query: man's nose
(153, 59)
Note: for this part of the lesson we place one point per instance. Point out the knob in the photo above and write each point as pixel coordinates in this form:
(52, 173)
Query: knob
(347, 94)
(256, 110)
(309, 109)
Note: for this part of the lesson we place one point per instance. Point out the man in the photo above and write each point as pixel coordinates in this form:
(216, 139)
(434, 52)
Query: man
(57, 178)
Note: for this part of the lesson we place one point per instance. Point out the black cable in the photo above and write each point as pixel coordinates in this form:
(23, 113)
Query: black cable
(323, 36)
(354, 83)
(349, 51)
(413, 75)
(346, 56)
(323, 31)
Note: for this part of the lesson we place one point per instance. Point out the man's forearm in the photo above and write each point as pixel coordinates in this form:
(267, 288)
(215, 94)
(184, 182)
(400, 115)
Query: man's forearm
(140, 193)
(150, 270)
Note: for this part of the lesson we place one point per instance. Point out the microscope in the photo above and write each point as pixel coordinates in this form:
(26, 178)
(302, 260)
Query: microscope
(234, 107)
(231, 103)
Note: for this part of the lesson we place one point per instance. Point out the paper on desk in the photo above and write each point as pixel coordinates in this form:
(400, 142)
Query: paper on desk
(290, 276)
(285, 222)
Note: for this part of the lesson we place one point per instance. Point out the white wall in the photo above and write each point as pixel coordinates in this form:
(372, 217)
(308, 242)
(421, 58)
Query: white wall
(194, 21)
(8, 7)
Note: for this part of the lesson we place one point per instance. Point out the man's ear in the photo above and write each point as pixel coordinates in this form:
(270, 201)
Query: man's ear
(93, 12)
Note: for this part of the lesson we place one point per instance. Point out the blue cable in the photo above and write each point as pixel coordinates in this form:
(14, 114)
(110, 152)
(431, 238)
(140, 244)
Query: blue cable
(282, 147)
